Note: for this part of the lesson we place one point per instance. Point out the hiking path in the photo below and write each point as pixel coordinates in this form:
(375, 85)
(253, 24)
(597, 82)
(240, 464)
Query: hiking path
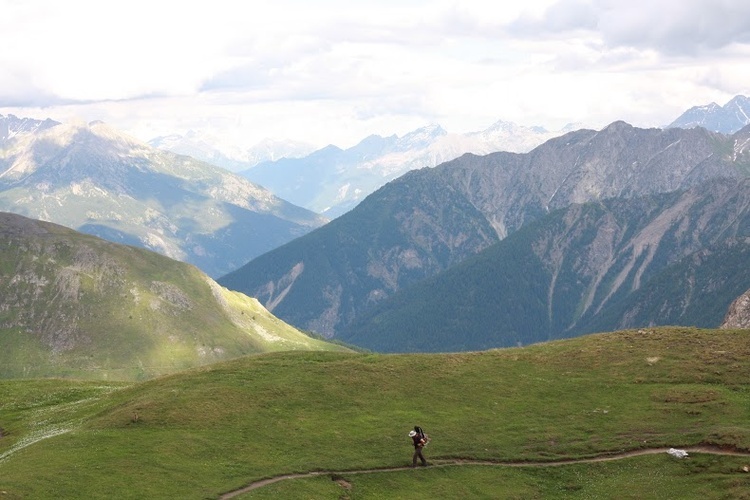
(338, 475)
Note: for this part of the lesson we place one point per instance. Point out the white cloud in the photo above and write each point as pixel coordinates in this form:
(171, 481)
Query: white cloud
(334, 71)
(673, 27)
(677, 27)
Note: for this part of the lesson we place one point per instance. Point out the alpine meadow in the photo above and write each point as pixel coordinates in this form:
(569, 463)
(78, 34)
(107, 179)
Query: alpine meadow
(566, 419)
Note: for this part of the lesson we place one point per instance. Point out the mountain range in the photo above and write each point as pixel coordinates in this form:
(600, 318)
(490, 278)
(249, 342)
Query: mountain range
(339, 280)
(726, 119)
(74, 305)
(430, 219)
(95, 179)
(331, 181)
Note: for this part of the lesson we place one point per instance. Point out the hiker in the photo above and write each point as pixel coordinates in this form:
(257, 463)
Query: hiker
(420, 440)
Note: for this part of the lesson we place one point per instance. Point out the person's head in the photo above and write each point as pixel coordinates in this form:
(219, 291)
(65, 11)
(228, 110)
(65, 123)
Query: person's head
(412, 434)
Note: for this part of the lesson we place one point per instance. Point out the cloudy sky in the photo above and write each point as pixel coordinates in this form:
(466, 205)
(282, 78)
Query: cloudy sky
(335, 71)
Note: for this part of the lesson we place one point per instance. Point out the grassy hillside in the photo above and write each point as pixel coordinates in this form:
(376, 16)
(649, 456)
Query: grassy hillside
(215, 429)
(73, 305)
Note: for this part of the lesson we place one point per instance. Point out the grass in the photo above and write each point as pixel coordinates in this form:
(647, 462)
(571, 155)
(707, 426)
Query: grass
(34, 410)
(699, 477)
(214, 429)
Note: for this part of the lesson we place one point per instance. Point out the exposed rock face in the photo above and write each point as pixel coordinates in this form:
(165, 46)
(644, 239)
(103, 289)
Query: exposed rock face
(738, 315)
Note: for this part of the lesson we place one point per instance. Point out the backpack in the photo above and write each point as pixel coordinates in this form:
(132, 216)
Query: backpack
(421, 434)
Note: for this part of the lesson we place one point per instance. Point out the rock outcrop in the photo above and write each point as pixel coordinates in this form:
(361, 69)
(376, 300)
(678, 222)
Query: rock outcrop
(738, 315)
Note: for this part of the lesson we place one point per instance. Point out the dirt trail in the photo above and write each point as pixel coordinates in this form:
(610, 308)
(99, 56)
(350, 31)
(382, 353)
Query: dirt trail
(713, 450)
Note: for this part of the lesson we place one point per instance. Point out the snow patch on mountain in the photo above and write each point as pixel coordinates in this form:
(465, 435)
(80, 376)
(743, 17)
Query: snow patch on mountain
(11, 126)
(726, 119)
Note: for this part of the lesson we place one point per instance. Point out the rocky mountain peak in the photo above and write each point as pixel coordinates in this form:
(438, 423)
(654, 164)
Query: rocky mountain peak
(11, 126)
(80, 132)
(617, 127)
(423, 136)
(739, 101)
(726, 119)
(70, 150)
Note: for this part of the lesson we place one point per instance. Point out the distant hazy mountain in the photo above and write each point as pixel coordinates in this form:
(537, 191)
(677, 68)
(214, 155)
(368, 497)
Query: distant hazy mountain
(275, 149)
(74, 305)
(332, 180)
(726, 119)
(666, 259)
(222, 153)
(430, 219)
(97, 180)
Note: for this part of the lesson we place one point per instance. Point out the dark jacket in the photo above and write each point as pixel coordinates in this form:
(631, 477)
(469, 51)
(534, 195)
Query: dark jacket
(419, 441)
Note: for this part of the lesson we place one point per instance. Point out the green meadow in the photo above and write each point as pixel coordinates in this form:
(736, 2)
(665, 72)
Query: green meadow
(216, 429)
(652, 477)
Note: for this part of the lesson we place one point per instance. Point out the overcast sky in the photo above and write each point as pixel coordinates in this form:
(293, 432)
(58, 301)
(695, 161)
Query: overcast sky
(335, 71)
